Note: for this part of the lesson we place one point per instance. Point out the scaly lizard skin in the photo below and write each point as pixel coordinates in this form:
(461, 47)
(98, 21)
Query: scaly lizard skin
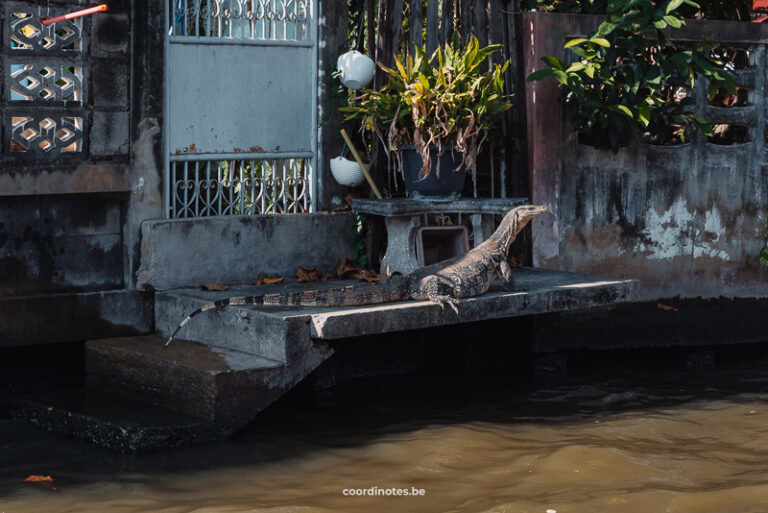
(444, 282)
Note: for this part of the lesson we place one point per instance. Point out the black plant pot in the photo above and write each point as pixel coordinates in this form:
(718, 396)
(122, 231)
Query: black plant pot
(443, 181)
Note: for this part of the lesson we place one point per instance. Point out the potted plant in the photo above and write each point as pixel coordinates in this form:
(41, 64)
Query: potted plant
(433, 114)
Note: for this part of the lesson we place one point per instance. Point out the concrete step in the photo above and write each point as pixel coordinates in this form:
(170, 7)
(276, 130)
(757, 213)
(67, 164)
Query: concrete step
(219, 385)
(113, 421)
(279, 332)
(270, 332)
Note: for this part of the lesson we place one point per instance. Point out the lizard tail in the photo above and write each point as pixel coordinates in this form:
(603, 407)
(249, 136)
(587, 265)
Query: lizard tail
(353, 295)
(210, 306)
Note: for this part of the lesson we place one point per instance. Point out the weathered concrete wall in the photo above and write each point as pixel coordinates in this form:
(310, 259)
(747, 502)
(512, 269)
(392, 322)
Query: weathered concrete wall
(60, 243)
(145, 178)
(192, 252)
(686, 220)
(47, 318)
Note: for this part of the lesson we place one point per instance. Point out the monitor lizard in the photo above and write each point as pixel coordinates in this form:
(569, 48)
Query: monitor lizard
(444, 283)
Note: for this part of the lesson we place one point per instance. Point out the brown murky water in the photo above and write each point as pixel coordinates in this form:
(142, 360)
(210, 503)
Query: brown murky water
(612, 440)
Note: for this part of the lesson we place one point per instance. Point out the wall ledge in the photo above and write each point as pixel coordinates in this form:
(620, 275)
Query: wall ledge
(86, 178)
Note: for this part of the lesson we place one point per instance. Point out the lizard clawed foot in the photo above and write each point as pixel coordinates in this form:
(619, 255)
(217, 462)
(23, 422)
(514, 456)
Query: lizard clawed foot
(446, 300)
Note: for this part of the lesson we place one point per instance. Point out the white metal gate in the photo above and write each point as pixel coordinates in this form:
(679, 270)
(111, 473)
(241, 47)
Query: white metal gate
(240, 107)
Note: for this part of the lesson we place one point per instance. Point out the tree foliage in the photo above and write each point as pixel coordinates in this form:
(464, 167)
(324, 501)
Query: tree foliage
(627, 79)
(738, 10)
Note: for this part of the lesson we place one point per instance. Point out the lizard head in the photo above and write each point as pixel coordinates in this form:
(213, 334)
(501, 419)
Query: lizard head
(514, 222)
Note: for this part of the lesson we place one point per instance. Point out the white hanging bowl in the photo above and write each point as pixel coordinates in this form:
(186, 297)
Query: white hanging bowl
(347, 172)
(356, 69)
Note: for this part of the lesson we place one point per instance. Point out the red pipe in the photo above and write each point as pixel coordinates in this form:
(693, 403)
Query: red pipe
(76, 14)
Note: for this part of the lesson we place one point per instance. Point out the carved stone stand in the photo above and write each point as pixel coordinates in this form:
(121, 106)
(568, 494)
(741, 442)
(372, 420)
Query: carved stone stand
(405, 218)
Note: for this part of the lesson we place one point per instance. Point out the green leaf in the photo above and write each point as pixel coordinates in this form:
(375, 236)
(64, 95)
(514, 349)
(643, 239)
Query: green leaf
(581, 52)
(387, 70)
(606, 28)
(661, 24)
(560, 76)
(600, 41)
(538, 75)
(674, 4)
(674, 21)
(644, 115)
(553, 62)
(576, 66)
(653, 76)
(400, 68)
(625, 110)
(574, 42)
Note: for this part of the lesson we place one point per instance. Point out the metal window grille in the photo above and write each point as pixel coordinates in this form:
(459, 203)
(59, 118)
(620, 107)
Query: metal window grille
(256, 20)
(241, 127)
(240, 187)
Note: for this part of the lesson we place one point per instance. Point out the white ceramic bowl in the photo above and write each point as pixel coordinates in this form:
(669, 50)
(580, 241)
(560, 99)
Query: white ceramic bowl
(347, 172)
(356, 69)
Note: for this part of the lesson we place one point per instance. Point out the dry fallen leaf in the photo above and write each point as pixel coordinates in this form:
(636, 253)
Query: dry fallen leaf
(37, 479)
(346, 270)
(305, 275)
(263, 280)
(344, 265)
(259, 281)
(214, 286)
(666, 308)
(364, 275)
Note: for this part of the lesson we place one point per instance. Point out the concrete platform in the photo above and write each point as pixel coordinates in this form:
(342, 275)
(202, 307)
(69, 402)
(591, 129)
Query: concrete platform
(544, 291)
(223, 386)
(141, 396)
(114, 422)
(187, 377)
(238, 360)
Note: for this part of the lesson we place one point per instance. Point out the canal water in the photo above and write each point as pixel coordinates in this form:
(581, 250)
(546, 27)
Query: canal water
(657, 436)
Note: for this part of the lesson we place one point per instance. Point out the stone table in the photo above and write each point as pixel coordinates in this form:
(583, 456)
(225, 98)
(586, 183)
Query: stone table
(404, 219)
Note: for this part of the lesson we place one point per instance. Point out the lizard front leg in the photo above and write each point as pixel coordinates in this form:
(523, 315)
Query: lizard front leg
(506, 275)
